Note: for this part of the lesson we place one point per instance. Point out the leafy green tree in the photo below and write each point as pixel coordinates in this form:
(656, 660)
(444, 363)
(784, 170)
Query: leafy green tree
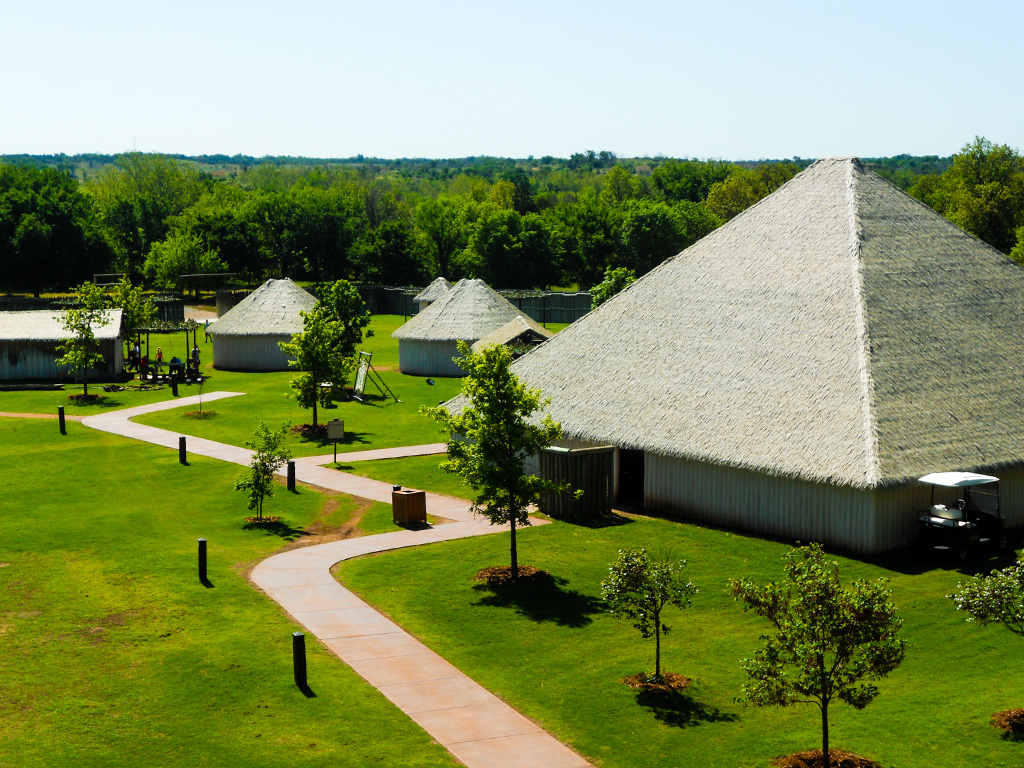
(677, 180)
(79, 351)
(615, 280)
(584, 235)
(744, 187)
(619, 185)
(639, 588)
(441, 221)
(493, 435)
(137, 197)
(829, 641)
(390, 254)
(139, 310)
(325, 348)
(994, 599)
(182, 253)
(982, 191)
(270, 453)
(511, 251)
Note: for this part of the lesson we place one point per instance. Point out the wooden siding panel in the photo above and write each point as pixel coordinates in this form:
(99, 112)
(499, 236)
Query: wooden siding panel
(777, 506)
(250, 353)
(428, 358)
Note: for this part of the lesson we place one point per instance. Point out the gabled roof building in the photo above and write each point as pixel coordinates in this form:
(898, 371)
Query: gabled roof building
(28, 345)
(795, 371)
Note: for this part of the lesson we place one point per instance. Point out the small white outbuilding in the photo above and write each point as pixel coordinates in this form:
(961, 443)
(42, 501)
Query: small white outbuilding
(28, 345)
(248, 336)
(432, 293)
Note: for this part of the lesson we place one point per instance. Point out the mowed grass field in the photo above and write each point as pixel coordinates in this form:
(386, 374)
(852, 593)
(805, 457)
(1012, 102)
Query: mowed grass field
(113, 654)
(556, 655)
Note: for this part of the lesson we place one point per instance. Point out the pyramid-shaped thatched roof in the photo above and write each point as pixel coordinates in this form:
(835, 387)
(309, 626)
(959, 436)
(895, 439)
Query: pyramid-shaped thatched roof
(469, 311)
(271, 310)
(438, 288)
(520, 328)
(838, 331)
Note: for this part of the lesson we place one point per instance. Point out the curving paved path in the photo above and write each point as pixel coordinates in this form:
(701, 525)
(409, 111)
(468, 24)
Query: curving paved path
(472, 723)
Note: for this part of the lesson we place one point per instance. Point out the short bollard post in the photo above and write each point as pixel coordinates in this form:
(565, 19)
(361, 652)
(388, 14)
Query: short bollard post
(182, 456)
(60, 417)
(291, 475)
(299, 658)
(174, 386)
(202, 561)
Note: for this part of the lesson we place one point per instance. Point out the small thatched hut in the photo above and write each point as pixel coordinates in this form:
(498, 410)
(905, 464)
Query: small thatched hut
(28, 345)
(520, 334)
(432, 293)
(796, 371)
(247, 337)
(468, 312)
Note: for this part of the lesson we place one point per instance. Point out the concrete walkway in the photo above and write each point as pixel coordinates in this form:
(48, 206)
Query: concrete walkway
(472, 723)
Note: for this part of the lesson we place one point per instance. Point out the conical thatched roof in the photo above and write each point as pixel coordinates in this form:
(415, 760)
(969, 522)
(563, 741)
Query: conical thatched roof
(469, 311)
(271, 310)
(521, 328)
(838, 331)
(434, 291)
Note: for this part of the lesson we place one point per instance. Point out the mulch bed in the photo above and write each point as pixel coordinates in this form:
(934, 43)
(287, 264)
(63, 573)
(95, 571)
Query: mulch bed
(673, 682)
(1011, 723)
(812, 759)
(200, 414)
(308, 430)
(502, 574)
(265, 520)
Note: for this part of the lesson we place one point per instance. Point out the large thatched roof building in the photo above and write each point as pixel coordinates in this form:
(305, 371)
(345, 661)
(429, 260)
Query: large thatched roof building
(468, 312)
(28, 345)
(246, 338)
(797, 369)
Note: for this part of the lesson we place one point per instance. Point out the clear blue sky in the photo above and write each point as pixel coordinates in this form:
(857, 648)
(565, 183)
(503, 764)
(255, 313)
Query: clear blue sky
(731, 80)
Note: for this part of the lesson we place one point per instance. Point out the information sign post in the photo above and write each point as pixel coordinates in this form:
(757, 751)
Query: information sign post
(336, 432)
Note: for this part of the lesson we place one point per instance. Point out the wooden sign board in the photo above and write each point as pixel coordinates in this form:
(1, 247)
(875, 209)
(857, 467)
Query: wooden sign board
(336, 429)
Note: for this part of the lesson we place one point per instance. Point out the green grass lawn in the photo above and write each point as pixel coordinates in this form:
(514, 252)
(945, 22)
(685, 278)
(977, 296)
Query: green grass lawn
(556, 655)
(418, 472)
(112, 653)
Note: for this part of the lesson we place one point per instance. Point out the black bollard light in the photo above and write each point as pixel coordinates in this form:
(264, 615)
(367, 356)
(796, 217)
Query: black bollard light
(174, 386)
(202, 561)
(182, 456)
(299, 658)
(60, 417)
(291, 475)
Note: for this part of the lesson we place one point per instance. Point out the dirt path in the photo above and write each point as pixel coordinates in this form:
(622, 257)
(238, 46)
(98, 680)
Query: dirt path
(5, 415)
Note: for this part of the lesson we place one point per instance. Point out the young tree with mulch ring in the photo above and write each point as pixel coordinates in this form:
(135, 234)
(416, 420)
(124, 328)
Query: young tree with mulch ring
(829, 641)
(270, 453)
(79, 352)
(639, 588)
(491, 437)
(997, 599)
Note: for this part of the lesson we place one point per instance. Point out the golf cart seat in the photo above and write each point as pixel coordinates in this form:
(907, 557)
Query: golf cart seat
(947, 513)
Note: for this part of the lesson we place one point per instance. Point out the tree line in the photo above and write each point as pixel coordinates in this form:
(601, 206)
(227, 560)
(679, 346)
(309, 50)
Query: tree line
(516, 224)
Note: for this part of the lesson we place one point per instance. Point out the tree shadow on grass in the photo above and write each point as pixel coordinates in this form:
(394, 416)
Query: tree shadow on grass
(278, 528)
(609, 520)
(544, 600)
(681, 709)
(351, 438)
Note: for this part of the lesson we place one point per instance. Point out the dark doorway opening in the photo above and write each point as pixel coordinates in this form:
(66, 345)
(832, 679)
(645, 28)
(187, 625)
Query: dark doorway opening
(631, 478)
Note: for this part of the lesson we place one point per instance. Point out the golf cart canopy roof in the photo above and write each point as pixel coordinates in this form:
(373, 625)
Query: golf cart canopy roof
(958, 479)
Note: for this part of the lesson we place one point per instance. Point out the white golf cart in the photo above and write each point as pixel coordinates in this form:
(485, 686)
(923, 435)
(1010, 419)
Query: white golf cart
(965, 514)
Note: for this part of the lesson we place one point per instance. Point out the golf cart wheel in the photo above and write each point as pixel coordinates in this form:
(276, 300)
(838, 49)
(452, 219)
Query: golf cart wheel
(962, 551)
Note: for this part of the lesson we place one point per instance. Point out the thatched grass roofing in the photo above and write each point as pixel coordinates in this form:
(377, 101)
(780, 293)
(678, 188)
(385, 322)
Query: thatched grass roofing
(521, 329)
(46, 325)
(469, 311)
(271, 310)
(438, 288)
(838, 331)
